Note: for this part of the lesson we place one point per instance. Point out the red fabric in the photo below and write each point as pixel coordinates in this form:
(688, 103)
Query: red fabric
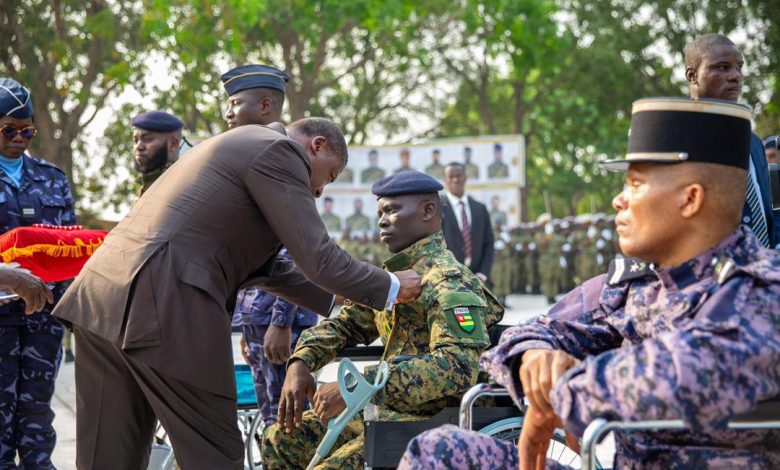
(52, 253)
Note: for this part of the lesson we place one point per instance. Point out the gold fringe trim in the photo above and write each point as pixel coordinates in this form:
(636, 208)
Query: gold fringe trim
(60, 250)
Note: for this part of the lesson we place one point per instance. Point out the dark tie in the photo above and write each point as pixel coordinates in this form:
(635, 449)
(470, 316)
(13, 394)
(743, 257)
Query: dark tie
(756, 214)
(465, 230)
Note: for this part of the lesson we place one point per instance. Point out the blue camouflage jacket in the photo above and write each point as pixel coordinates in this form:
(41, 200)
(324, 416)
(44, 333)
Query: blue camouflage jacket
(43, 197)
(257, 307)
(698, 342)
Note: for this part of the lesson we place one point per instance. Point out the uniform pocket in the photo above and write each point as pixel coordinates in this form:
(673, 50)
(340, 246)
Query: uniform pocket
(53, 207)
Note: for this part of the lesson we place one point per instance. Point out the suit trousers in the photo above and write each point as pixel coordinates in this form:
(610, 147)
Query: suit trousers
(119, 399)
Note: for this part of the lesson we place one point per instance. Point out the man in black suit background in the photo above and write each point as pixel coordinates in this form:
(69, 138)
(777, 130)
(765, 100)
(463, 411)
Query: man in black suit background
(466, 223)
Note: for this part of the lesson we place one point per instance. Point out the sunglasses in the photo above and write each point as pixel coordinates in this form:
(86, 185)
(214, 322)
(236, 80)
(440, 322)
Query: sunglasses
(9, 132)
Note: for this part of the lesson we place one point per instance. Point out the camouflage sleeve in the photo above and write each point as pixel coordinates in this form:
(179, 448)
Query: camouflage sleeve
(574, 324)
(720, 364)
(456, 325)
(320, 344)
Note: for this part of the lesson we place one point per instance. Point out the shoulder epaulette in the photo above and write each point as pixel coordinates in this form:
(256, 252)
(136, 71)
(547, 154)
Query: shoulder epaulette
(627, 269)
(42, 162)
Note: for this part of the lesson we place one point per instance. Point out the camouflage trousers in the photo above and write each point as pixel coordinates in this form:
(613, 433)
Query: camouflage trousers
(287, 452)
(30, 356)
(452, 448)
(267, 376)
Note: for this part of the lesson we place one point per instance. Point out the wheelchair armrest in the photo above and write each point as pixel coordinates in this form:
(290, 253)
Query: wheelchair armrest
(362, 353)
(471, 396)
(766, 415)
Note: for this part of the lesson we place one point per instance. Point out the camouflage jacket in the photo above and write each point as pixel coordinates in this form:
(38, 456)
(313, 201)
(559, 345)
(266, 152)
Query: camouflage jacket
(147, 179)
(43, 197)
(701, 342)
(445, 329)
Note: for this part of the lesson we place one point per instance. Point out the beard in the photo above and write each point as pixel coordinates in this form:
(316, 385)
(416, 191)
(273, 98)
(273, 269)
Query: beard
(157, 161)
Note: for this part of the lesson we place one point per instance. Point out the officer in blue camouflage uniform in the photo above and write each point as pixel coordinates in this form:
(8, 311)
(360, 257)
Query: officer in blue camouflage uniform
(32, 191)
(270, 325)
(260, 312)
(445, 329)
(688, 329)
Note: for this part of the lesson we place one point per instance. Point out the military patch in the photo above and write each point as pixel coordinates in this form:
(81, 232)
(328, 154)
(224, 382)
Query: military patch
(464, 319)
(627, 269)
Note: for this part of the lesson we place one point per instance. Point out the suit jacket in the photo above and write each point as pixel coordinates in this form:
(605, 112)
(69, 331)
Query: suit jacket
(758, 157)
(481, 236)
(164, 282)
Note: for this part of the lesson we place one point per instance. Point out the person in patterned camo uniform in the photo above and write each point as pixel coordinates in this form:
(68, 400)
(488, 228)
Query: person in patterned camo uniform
(446, 329)
(690, 332)
(32, 191)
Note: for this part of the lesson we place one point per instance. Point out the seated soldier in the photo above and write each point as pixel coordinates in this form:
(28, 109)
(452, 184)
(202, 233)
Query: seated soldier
(446, 329)
(687, 329)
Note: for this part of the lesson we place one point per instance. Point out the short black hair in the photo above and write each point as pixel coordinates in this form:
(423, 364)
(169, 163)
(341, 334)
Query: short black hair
(698, 47)
(455, 165)
(276, 96)
(328, 199)
(315, 126)
(431, 197)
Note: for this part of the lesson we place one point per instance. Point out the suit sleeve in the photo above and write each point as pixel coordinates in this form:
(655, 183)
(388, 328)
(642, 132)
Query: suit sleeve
(486, 265)
(279, 182)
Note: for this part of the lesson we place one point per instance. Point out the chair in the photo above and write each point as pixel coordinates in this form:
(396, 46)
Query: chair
(765, 416)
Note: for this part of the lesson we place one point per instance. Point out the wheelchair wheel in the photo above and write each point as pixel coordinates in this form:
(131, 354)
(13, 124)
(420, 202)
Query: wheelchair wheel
(509, 430)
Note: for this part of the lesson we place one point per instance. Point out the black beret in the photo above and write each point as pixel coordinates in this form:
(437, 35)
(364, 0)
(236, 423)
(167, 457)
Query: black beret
(245, 77)
(406, 182)
(14, 99)
(157, 121)
(675, 130)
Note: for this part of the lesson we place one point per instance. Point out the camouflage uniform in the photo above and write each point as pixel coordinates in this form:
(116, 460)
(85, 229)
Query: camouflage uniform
(435, 170)
(498, 218)
(472, 171)
(30, 345)
(147, 179)
(346, 176)
(498, 170)
(446, 328)
(332, 222)
(358, 223)
(371, 174)
(702, 343)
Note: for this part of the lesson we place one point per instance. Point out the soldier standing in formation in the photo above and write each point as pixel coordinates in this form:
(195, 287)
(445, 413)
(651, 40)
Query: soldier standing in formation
(446, 329)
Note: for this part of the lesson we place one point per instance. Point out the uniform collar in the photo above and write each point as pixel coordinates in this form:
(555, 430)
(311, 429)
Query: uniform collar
(413, 253)
(732, 252)
(150, 177)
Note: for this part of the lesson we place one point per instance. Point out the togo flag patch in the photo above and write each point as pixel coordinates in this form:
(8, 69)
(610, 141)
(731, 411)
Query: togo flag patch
(463, 317)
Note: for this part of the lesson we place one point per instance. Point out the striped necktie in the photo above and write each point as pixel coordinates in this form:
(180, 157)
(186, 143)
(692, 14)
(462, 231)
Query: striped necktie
(756, 214)
(465, 230)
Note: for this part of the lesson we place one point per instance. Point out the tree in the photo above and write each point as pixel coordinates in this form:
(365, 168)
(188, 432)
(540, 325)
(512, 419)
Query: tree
(73, 56)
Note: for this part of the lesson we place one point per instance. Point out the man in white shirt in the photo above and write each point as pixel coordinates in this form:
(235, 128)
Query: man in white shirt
(466, 223)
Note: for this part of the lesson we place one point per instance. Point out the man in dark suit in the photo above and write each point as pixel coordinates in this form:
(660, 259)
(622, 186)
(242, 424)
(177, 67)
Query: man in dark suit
(713, 68)
(466, 224)
(151, 307)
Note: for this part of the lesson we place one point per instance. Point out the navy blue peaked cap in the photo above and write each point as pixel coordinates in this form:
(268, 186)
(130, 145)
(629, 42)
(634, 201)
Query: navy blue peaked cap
(157, 121)
(245, 77)
(406, 182)
(14, 99)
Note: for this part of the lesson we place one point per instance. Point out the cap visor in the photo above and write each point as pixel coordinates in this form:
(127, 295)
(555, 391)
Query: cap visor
(622, 164)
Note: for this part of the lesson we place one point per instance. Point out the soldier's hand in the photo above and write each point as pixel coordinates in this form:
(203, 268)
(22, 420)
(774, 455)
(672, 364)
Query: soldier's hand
(328, 402)
(538, 429)
(29, 287)
(540, 369)
(277, 343)
(410, 286)
(244, 349)
(298, 385)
